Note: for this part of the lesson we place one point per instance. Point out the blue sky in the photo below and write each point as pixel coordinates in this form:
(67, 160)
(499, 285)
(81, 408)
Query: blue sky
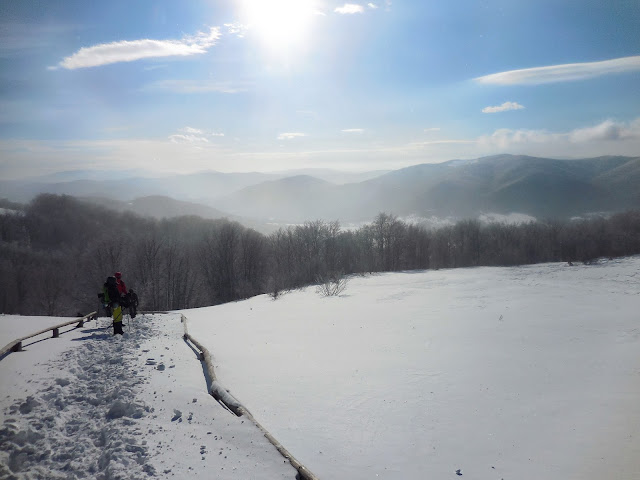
(252, 85)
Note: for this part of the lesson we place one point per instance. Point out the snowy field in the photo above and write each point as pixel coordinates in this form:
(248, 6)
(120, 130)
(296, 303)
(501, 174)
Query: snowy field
(499, 373)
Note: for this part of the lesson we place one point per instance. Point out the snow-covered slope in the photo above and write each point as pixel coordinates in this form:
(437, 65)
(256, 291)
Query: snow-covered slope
(526, 372)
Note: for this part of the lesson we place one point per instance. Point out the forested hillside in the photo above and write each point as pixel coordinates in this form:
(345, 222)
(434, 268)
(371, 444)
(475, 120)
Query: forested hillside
(56, 252)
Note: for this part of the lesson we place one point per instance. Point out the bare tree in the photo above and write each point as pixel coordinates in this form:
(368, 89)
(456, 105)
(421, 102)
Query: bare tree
(220, 252)
(331, 285)
(146, 271)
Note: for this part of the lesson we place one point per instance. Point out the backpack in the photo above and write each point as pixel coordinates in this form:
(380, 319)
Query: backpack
(112, 290)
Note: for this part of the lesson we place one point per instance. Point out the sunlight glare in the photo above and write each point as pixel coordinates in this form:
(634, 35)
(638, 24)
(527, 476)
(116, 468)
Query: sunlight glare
(282, 26)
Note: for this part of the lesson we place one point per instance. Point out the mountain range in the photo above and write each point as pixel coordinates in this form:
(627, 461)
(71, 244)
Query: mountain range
(502, 184)
(539, 187)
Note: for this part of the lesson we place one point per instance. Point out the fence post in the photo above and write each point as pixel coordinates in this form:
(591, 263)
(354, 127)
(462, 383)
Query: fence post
(56, 332)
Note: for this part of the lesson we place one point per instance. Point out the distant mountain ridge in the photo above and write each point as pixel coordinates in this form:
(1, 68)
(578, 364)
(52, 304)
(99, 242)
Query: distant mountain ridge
(503, 184)
(500, 184)
(201, 187)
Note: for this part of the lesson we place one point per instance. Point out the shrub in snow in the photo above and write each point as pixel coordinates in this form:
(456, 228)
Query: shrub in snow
(332, 285)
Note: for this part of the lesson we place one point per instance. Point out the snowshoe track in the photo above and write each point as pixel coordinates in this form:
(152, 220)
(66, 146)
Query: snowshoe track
(85, 423)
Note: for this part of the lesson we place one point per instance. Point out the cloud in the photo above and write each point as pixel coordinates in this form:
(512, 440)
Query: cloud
(432, 129)
(562, 73)
(186, 138)
(606, 132)
(349, 8)
(236, 29)
(291, 136)
(372, 5)
(503, 108)
(129, 51)
(505, 138)
(609, 137)
(194, 136)
(353, 130)
(21, 157)
(195, 87)
(192, 131)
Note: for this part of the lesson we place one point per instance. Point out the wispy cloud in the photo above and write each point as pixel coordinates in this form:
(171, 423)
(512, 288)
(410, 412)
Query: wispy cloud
(150, 68)
(195, 86)
(291, 135)
(236, 29)
(562, 73)
(432, 129)
(186, 138)
(191, 130)
(372, 5)
(194, 136)
(503, 108)
(349, 8)
(607, 131)
(129, 51)
(353, 130)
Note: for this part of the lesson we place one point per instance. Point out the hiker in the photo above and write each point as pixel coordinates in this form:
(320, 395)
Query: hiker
(133, 303)
(113, 297)
(104, 299)
(125, 296)
(122, 288)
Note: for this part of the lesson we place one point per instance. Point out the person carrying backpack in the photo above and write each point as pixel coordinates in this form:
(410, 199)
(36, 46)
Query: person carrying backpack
(122, 288)
(114, 299)
(133, 303)
(104, 299)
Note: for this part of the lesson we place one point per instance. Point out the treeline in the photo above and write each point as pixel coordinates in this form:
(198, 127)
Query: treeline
(57, 251)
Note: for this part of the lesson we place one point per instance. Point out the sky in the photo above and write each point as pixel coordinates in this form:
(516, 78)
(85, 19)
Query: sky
(250, 85)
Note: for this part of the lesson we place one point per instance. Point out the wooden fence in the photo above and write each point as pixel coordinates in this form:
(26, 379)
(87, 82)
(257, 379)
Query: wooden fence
(218, 392)
(16, 345)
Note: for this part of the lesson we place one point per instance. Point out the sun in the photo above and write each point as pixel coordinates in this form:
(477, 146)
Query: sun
(281, 26)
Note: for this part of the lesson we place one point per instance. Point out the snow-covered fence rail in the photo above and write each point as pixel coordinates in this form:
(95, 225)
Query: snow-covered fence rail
(223, 396)
(215, 389)
(16, 345)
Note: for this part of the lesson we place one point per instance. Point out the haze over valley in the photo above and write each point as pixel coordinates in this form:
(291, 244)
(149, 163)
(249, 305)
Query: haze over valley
(503, 185)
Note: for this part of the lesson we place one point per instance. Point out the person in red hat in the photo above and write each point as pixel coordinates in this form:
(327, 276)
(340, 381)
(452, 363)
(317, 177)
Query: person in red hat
(122, 288)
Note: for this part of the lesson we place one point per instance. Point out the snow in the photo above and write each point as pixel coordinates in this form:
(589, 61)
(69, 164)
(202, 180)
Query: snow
(90, 405)
(13, 327)
(525, 372)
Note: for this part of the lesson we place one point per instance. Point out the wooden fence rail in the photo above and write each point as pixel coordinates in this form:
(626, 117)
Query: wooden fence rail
(218, 392)
(16, 345)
